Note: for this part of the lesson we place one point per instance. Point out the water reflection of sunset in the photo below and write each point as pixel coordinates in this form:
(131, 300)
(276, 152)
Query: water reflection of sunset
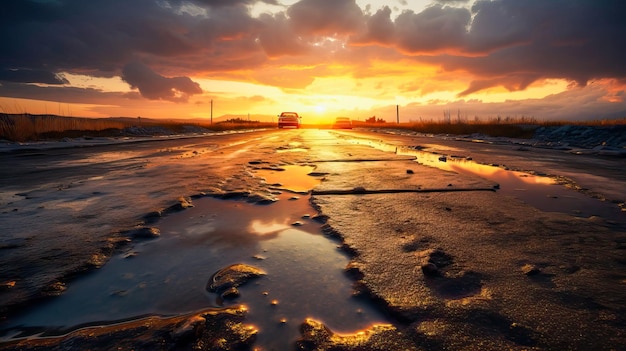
(496, 173)
(467, 166)
(292, 177)
(262, 227)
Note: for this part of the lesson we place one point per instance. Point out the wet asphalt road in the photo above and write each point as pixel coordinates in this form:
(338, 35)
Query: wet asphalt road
(32, 168)
(600, 175)
(93, 193)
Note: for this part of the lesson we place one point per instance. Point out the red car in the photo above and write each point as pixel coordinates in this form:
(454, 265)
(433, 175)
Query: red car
(288, 119)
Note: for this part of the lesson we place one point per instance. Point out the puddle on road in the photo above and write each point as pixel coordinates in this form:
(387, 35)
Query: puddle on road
(543, 193)
(293, 177)
(168, 275)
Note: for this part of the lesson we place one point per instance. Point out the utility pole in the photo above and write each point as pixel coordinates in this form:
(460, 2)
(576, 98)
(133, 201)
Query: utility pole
(211, 111)
(398, 113)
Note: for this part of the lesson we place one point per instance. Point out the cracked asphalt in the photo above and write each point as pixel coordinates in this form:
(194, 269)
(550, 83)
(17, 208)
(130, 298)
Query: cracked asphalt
(455, 263)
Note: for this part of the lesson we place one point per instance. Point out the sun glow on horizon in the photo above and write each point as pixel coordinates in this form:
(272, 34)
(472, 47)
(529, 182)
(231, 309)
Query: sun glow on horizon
(319, 102)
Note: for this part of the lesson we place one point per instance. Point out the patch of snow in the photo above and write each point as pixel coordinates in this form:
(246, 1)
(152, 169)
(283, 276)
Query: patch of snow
(594, 140)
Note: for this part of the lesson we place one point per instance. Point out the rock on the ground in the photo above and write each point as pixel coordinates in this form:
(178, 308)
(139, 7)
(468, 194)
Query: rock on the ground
(221, 329)
(226, 281)
(144, 233)
(316, 336)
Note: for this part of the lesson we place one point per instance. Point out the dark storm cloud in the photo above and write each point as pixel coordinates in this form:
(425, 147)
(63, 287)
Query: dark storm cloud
(59, 94)
(153, 86)
(218, 3)
(32, 76)
(576, 40)
(432, 30)
(516, 42)
(452, 2)
(87, 35)
(379, 28)
(101, 36)
(509, 43)
(276, 37)
(326, 16)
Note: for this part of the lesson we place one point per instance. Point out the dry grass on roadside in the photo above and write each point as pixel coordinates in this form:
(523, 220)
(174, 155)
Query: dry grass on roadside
(512, 128)
(27, 127)
(502, 130)
(221, 126)
(24, 127)
(600, 122)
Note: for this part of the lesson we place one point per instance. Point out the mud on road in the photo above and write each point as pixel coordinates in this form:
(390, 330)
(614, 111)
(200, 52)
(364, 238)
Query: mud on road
(455, 263)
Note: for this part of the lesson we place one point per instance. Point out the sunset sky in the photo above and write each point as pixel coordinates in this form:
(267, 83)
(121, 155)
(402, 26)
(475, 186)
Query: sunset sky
(547, 59)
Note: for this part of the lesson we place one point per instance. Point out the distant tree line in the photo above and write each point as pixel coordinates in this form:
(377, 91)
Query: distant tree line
(373, 119)
(238, 120)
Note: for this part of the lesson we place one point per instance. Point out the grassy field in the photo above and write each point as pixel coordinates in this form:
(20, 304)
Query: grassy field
(27, 127)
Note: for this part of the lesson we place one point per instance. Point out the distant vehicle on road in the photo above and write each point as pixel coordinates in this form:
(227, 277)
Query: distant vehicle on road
(288, 119)
(342, 123)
